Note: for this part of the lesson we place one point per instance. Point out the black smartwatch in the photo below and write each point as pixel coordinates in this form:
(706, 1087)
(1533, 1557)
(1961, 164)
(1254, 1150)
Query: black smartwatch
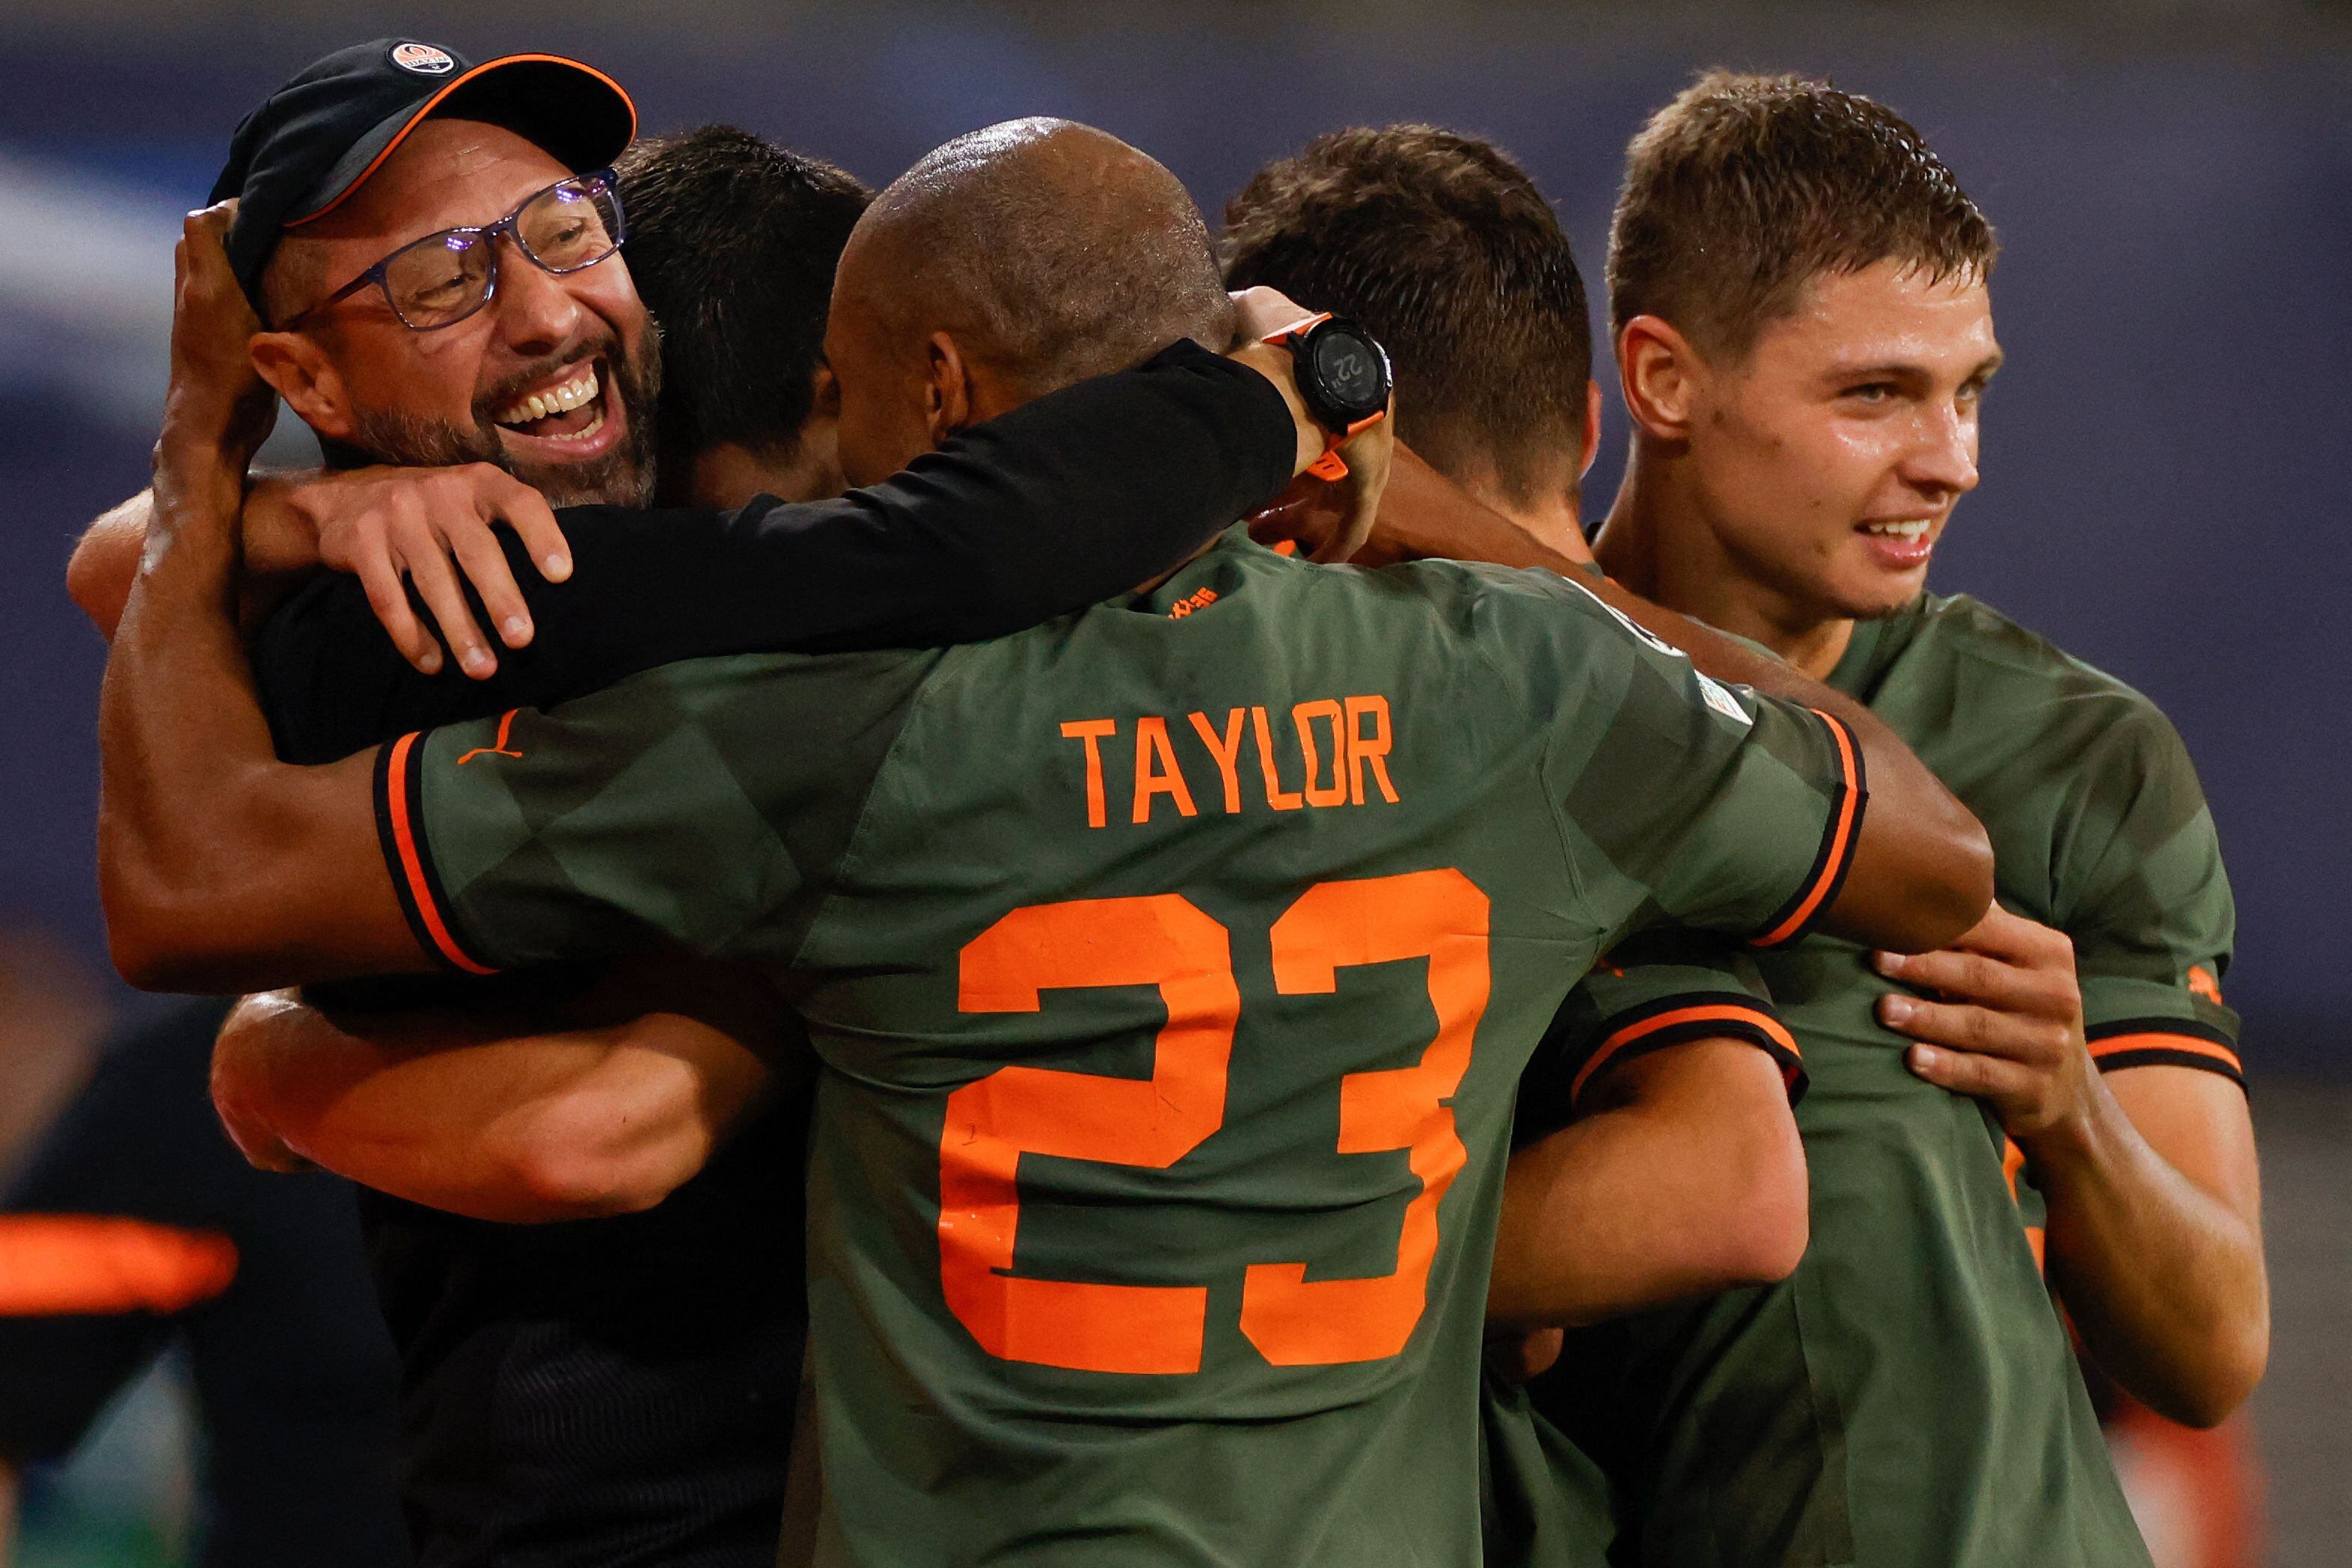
(1343, 378)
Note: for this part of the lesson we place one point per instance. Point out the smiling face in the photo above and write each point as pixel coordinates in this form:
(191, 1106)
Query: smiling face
(553, 379)
(1827, 462)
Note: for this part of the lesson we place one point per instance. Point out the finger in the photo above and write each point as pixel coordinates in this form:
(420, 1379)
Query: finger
(436, 584)
(534, 521)
(1985, 1077)
(2004, 935)
(1969, 976)
(387, 596)
(1960, 1026)
(485, 565)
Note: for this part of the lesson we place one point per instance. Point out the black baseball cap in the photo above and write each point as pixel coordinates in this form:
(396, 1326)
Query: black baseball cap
(319, 137)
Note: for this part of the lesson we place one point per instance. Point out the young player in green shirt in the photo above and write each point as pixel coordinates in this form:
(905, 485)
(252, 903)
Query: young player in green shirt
(1797, 295)
(1237, 907)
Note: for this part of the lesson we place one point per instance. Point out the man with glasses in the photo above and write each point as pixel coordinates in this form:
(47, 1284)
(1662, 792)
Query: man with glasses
(613, 1390)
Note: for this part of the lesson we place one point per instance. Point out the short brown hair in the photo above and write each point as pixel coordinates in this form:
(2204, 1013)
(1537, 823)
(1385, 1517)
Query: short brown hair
(1744, 188)
(1443, 248)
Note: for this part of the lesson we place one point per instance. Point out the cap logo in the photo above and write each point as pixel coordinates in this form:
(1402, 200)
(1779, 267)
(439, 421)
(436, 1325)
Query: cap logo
(423, 59)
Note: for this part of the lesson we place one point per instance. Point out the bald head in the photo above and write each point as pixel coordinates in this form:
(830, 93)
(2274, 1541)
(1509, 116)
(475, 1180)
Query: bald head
(1051, 250)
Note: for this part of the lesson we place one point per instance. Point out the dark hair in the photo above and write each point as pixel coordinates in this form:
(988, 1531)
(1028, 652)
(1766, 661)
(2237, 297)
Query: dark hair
(1744, 188)
(1443, 248)
(732, 242)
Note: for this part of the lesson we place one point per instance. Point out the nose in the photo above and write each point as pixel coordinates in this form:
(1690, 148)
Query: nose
(1942, 463)
(537, 313)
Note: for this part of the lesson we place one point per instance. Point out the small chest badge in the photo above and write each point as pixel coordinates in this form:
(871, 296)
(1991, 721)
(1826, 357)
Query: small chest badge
(423, 59)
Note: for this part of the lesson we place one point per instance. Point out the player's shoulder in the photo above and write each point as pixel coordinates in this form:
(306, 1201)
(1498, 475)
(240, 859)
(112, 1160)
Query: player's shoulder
(1517, 609)
(2006, 670)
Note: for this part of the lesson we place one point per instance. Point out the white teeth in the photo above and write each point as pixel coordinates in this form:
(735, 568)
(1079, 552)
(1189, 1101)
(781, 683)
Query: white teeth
(1910, 528)
(556, 400)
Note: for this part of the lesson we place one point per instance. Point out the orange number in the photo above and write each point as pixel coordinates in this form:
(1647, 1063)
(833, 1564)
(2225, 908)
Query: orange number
(1165, 940)
(1440, 915)
(1160, 940)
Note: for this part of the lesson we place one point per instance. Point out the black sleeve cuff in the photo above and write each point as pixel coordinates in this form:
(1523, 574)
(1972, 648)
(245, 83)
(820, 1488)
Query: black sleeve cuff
(1694, 1016)
(2165, 1042)
(399, 825)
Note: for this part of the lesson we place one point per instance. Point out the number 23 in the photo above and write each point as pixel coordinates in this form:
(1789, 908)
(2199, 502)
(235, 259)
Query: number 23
(1166, 940)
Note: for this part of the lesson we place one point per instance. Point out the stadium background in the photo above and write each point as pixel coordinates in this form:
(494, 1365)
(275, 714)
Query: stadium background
(2164, 453)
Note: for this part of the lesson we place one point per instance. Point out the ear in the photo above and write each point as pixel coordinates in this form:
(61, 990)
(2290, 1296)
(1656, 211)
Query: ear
(306, 379)
(824, 392)
(1591, 428)
(1662, 376)
(949, 397)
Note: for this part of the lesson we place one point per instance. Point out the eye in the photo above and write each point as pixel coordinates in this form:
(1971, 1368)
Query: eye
(1870, 392)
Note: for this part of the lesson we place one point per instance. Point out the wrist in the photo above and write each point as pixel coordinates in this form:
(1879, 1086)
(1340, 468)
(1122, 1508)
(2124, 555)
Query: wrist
(1274, 362)
(2077, 1138)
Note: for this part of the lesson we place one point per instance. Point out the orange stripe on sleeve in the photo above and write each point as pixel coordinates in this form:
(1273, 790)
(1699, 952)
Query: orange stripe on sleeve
(1840, 843)
(55, 1265)
(412, 864)
(1713, 1013)
(2155, 1041)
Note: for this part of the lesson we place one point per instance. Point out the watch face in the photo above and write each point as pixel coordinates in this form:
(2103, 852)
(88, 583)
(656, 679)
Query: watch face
(1349, 369)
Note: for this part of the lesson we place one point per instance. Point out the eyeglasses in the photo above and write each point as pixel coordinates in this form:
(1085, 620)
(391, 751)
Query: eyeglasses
(439, 280)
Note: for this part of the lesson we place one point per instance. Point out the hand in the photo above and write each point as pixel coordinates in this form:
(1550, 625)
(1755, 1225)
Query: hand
(392, 526)
(215, 398)
(1261, 312)
(2008, 1025)
(237, 1066)
(1329, 518)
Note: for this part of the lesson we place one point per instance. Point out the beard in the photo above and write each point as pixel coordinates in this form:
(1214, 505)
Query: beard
(622, 476)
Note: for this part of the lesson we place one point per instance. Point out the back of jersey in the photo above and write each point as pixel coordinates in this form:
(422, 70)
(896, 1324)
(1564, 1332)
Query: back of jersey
(1174, 966)
(1177, 980)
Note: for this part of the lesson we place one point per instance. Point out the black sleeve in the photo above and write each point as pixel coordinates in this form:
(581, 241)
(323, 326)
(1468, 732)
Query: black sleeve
(1060, 503)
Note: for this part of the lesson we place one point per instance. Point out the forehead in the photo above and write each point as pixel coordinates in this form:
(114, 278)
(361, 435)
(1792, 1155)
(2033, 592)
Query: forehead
(447, 174)
(1889, 312)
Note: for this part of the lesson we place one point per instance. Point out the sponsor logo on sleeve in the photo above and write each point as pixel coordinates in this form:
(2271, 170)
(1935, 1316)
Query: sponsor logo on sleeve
(1718, 697)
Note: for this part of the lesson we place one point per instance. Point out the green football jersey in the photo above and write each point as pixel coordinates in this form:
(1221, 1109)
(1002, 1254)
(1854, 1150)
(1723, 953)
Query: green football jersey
(1908, 1398)
(1172, 967)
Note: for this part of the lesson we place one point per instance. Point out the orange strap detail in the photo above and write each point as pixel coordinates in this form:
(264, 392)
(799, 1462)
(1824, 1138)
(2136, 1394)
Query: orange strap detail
(55, 1265)
(1330, 466)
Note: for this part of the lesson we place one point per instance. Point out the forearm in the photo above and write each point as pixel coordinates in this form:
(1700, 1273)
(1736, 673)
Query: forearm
(1636, 1204)
(485, 1115)
(2164, 1279)
(210, 863)
(278, 546)
(105, 562)
(1005, 526)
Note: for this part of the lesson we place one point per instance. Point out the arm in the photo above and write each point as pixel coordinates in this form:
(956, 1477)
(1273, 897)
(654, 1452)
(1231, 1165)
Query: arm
(2155, 1229)
(1684, 1177)
(387, 527)
(1922, 867)
(1007, 525)
(209, 850)
(600, 1107)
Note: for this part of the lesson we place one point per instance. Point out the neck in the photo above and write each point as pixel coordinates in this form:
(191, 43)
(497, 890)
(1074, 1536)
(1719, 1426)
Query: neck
(725, 476)
(1661, 542)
